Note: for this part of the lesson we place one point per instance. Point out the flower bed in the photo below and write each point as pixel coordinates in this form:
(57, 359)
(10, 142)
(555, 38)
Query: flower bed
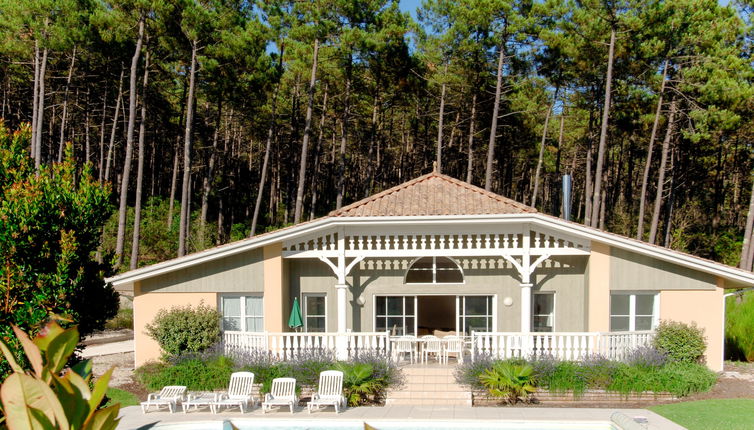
(645, 374)
(365, 380)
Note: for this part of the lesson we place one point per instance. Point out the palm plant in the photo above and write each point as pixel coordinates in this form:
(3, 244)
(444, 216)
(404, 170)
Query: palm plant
(510, 381)
(359, 382)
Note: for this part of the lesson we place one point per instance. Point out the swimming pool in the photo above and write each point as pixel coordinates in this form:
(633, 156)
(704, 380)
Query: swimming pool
(251, 424)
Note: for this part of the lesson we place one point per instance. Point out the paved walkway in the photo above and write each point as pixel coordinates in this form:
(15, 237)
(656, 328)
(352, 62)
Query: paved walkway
(133, 418)
(108, 348)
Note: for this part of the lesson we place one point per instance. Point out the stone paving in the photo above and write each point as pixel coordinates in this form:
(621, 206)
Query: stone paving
(133, 418)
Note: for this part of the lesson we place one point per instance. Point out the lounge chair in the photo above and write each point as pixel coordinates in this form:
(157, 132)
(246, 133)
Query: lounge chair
(282, 393)
(329, 391)
(238, 394)
(169, 396)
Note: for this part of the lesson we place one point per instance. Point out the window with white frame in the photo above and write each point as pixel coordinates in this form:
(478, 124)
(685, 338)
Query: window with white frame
(315, 313)
(434, 270)
(396, 314)
(242, 313)
(633, 311)
(475, 314)
(543, 311)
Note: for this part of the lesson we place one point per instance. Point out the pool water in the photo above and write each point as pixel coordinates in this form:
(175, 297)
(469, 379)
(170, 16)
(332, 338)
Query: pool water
(263, 424)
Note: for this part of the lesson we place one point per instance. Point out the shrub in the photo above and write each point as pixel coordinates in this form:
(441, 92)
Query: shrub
(646, 356)
(680, 342)
(739, 327)
(196, 374)
(544, 366)
(511, 381)
(185, 329)
(677, 378)
(468, 373)
(568, 375)
(598, 371)
(306, 367)
(383, 369)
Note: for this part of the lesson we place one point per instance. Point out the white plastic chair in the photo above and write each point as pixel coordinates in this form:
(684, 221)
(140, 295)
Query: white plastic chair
(282, 393)
(329, 391)
(431, 345)
(238, 394)
(169, 396)
(405, 345)
(452, 345)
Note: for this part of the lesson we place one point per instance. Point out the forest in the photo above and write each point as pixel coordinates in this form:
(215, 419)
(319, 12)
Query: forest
(215, 120)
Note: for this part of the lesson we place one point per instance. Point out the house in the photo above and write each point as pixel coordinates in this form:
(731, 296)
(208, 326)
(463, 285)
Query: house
(436, 254)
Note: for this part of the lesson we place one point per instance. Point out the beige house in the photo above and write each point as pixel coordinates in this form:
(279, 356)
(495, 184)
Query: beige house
(438, 255)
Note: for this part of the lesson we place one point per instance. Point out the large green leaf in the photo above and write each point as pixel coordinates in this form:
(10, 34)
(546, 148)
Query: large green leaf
(73, 393)
(60, 348)
(103, 419)
(21, 394)
(50, 332)
(11, 359)
(83, 369)
(100, 388)
(32, 351)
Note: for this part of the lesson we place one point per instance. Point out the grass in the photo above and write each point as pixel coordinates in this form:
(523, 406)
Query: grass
(121, 396)
(124, 320)
(717, 414)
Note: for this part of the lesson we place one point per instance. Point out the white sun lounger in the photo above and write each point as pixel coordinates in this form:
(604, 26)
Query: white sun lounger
(238, 394)
(169, 396)
(329, 391)
(282, 393)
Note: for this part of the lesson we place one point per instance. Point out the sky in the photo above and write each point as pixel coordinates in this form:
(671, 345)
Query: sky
(410, 6)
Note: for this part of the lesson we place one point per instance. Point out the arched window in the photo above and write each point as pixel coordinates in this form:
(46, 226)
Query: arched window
(434, 270)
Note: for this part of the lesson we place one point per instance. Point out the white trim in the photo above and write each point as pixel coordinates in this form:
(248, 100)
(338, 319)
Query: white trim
(632, 307)
(724, 271)
(434, 272)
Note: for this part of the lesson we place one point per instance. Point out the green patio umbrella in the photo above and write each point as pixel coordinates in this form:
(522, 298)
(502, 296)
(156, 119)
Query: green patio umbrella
(295, 321)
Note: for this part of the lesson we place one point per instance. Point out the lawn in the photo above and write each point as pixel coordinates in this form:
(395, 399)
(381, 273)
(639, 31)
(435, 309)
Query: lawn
(717, 414)
(121, 396)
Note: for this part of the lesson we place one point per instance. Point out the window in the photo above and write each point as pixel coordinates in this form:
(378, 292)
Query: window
(396, 314)
(475, 314)
(434, 270)
(543, 311)
(633, 312)
(242, 313)
(315, 319)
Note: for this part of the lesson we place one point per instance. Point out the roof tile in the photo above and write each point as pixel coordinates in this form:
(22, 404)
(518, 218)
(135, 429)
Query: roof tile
(433, 194)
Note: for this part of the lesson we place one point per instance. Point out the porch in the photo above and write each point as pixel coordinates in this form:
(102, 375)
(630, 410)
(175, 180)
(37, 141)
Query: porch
(346, 346)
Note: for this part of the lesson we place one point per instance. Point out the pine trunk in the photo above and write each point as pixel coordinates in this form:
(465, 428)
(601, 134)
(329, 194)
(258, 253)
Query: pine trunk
(603, 133)
(661, 174)
(265, 163)
(440, 117)
(493, 125)
(64, 115)
(541, 153)
(40, 112)
(470, 149)
(186, 183)
(125, 178)
(307, 132)
(35, 103)
(115, 127)
(133, 264)
(342, 157)
(748, 231)
(210, 174)
(650, 149)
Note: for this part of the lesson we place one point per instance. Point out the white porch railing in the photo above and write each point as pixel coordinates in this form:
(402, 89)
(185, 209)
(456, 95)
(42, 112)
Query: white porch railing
(287, 346)
(563, 345)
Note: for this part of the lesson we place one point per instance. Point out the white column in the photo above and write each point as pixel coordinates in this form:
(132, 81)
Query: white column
(342, 306)
(526, 308)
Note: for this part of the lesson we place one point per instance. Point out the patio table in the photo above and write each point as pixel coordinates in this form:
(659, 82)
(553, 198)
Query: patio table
(199, 398)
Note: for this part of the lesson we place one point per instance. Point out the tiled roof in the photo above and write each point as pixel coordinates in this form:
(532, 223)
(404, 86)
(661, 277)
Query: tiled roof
(433, 194)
